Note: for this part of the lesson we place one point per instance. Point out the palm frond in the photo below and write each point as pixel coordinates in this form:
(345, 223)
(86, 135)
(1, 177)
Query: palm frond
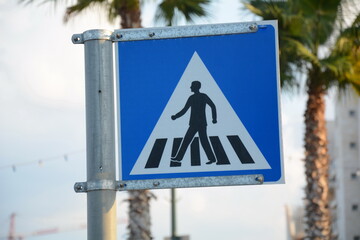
(339, 66)
(27, 2)
(322, 17)
(117, 8)
(344, 60)
(252, 8)
(352, 79)
(81, 6)
(169, 10)
(54, 3)
(302, 51)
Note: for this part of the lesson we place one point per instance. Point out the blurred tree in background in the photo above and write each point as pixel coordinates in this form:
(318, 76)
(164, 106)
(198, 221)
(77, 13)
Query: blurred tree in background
(317, 41)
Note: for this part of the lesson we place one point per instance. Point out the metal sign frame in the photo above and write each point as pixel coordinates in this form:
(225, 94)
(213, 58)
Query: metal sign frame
(125, 35)
(101, 181)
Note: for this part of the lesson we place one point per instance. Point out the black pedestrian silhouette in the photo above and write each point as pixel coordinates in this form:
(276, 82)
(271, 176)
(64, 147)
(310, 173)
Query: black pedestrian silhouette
(197, 123)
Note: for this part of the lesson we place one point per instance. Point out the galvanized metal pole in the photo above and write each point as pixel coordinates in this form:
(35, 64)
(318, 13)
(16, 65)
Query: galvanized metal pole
(173, 214)
(100, 134)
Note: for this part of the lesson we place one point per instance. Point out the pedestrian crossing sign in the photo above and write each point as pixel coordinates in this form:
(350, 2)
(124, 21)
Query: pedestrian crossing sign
(199, 102)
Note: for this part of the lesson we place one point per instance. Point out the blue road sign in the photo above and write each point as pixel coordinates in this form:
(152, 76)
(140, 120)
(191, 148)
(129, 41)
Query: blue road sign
(199, 101)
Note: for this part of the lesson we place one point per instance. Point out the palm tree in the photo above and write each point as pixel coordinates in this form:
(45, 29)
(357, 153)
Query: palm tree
(312, 42)
(129, 11)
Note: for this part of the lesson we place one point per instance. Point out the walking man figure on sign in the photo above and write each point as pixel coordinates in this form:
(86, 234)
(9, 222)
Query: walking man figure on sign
(197, 124)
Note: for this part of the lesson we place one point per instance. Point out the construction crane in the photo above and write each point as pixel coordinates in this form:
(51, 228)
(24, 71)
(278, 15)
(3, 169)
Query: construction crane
(12, 227)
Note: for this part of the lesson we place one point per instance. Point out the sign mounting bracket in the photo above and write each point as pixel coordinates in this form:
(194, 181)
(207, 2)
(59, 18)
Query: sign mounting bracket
(123, 35)
(256, 179)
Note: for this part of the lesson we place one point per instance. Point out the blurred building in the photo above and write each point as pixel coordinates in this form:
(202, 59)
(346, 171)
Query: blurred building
(295, 222)
(344, 151)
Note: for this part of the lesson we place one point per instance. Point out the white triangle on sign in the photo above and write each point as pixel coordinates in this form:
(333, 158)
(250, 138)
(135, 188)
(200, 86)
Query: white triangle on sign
(228, 123)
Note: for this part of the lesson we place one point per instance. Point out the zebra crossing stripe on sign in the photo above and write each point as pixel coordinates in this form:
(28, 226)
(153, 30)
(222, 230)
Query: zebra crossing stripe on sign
(198, 131)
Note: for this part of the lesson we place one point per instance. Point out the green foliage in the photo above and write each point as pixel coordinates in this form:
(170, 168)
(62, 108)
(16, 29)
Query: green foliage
(80, 6)
(115, 7)
(168, 10)
(306, 28)
(312, 38)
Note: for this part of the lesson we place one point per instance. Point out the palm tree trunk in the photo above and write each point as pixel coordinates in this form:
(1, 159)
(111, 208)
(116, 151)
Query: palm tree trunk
(139, 200)
(317, 214)
(130, 14)
(139, 215)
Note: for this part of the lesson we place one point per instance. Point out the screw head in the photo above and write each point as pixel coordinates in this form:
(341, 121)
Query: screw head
(156, 184)
(79, 187)
(259, 179)
(118, 35)
(151, 34)
(253, 27)
(122, 185)
(76, 39)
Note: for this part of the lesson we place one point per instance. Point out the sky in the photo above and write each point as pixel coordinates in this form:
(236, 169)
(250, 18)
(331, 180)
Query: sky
(42, 133)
